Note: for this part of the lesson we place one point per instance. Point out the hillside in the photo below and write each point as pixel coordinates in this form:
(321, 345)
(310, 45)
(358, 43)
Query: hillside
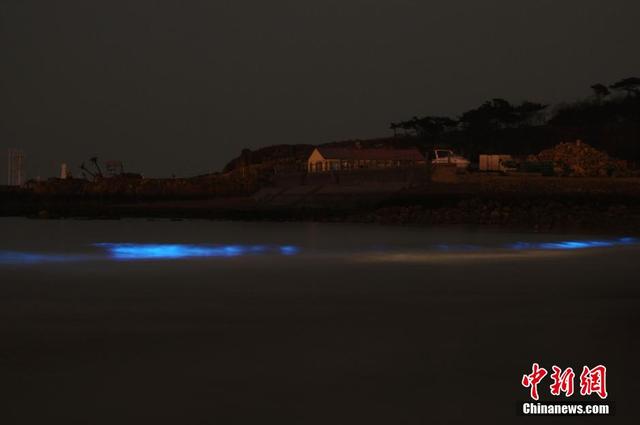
(289, 158)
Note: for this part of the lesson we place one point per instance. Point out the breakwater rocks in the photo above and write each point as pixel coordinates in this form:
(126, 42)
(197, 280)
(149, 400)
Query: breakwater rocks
(540, 204)
(524, 202)
(539, 216)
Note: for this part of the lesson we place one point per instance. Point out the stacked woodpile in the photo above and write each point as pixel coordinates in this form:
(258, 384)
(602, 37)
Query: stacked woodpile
(578, 159)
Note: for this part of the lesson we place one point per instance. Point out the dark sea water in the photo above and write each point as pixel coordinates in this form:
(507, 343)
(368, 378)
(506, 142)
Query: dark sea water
(199, 322)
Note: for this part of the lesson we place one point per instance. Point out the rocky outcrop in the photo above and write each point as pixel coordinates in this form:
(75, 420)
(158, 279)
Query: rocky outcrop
(292, 158)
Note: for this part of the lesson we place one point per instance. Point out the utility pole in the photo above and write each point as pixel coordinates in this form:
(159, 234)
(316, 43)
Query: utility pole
(15, 168)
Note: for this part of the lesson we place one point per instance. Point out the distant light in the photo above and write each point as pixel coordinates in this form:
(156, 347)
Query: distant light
(135, 251)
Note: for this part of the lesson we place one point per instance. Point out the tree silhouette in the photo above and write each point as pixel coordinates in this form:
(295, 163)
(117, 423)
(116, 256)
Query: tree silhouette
(528, 111)
(631, 85)
(429, 127)
(600, 90)
(410, 126)
(498, 114)
(491, 115)
(394, 126)
(607, 121)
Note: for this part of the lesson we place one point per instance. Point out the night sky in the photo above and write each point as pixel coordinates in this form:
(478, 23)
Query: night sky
(182, 86)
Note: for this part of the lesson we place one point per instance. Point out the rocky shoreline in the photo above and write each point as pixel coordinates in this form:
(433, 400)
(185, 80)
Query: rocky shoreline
(539, 216)
(545, 217)
(524, 203)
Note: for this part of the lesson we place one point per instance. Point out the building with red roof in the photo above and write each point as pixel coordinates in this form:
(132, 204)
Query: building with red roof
(324, 159)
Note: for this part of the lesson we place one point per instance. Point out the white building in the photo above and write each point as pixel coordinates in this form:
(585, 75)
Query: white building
(324, 159)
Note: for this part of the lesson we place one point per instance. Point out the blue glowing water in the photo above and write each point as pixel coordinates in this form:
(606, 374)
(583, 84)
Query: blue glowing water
(136, 251)
(16, 257)
(457, 247)
(289, 250)
(174, 251)
(573, 244)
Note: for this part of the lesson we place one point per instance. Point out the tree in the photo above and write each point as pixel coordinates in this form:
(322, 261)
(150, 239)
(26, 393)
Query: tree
(499, 113)
(600, 90)
(432, 126)
(491, 115)
(631, 85)
(428, 127)
(410, 125)
(527, 112)
(394, 126)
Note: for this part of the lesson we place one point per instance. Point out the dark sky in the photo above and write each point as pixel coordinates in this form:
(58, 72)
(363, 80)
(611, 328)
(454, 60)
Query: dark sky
(182, 86)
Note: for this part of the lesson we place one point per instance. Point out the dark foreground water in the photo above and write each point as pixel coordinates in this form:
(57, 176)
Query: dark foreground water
(135, 322)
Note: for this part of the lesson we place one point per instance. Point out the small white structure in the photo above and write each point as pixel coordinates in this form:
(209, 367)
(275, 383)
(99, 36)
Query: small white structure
(64, 171)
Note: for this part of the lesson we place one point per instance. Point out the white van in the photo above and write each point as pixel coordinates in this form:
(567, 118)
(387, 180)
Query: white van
(446, 156)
